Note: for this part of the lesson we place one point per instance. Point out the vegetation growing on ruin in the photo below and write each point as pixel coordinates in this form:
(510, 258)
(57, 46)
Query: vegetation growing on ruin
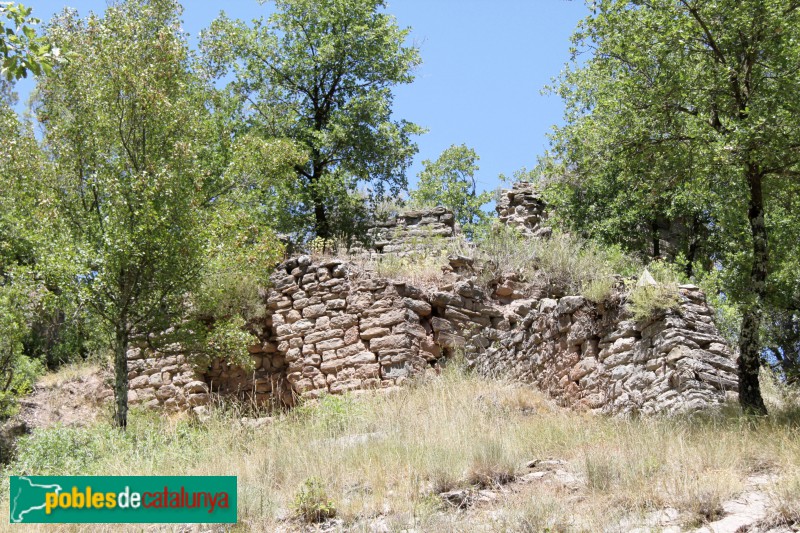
(153, 203)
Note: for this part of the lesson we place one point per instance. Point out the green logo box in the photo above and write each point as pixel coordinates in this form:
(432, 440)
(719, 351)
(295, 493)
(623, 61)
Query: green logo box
(122, 500)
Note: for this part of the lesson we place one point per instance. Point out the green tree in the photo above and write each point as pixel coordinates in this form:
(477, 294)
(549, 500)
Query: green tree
(21, 288)
(450, 182)
(690, 105)
(321, 73)
(22, 51)
(127, 126)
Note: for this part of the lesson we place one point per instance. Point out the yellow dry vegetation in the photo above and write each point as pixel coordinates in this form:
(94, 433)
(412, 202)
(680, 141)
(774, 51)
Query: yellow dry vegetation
(386, 457)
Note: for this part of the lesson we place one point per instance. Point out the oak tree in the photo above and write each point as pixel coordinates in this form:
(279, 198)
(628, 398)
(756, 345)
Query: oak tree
(449, 181)
(321, 73)
(690, 108)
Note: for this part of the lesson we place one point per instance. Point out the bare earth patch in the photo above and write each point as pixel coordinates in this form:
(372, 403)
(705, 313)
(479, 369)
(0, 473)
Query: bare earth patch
(74, 397)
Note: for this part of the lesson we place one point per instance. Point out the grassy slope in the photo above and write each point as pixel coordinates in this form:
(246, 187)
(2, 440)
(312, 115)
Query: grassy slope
(389, 455)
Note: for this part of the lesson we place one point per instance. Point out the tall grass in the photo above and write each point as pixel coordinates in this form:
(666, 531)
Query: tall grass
(387, 456)
(564, 262)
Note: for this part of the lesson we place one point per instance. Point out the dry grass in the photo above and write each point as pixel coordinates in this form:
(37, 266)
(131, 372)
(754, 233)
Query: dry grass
(563, 262)
(385, 457)
(67, 373)
(419, 269)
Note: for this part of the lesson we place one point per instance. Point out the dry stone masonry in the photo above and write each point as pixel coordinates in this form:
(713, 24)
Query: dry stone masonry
(521, 207)
(165, 381)
(332, 327)
(409, 231)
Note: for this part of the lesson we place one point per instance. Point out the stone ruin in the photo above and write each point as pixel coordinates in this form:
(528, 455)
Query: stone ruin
(407, 232)
(333, 326)
(521, 207)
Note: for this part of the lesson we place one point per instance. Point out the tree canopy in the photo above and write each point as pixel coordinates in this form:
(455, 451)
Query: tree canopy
(687, 111)
(137, 173)
(22, 51)
(321, 73)
(450, 182)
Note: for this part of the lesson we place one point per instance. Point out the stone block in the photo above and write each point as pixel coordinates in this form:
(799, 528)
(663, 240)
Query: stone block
(140, 382)
(343, 321)
(314, 311)
(450, 340)
(583, 368)
(351, 349)
(416, 331)
(336, 305)
(389, 342)
(418, 306)
(440, 324)
(331, 344)
(375, 332)
(387, 319)
(569, 304)
(319, 336)
(166, 391)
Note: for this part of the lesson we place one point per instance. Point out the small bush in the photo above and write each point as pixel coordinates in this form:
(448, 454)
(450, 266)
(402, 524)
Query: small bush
(707, 507)
(648, 300)
(330, 415)
(785, 499)
(602, 472)
(20, 376)
(564, 262)
(598, 290)
(492, 466)
(311, 503)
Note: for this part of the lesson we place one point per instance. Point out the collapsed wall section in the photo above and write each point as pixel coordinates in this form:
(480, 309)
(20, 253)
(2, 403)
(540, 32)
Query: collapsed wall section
(591, 356)
(165, 381)
(333, 326)
(408, 232)
(521, 207)
(340, 328)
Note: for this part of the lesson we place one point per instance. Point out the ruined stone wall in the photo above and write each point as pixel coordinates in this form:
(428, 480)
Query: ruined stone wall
(409, 231)
(169, 382)
(593, 357)
(338, 328)
(332, 327)
(522, 207)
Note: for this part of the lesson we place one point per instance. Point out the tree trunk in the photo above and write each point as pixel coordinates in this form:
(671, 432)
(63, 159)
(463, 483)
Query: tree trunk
(321, 224)
(694, 242)
(121, 377)
(749, 342)
(656, 241)
(322, 228)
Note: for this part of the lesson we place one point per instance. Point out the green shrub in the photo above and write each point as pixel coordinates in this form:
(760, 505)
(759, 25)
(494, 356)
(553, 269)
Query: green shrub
(647, 300)
(564, 262)
(19, 375)
(311, 503)
(330, 415)
(598, 290)
(149, 445)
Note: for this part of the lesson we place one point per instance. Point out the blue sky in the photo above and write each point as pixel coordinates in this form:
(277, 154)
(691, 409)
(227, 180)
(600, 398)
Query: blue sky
(484, 65)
